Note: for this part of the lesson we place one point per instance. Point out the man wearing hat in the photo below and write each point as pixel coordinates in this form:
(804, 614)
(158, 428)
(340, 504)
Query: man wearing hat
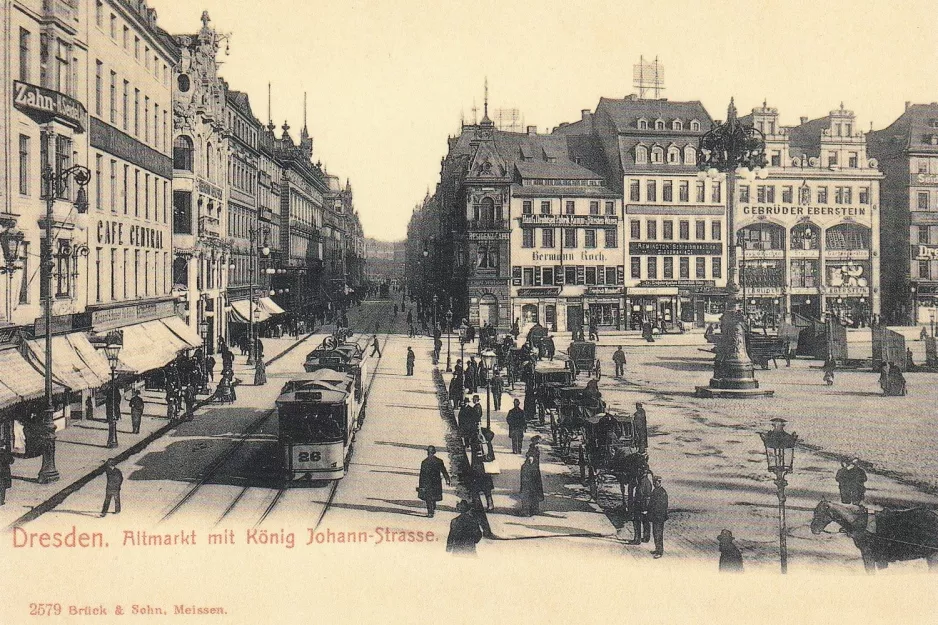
(640, 426)
(731, 559)
(517, 424)
(113, 488)
(658, 514)
(464, 532)
(533, 450)
(851, 478)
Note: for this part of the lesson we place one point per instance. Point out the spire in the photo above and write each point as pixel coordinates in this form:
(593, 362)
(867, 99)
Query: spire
(486, 122)
(304, 111)
(270, 119)
(731, 111)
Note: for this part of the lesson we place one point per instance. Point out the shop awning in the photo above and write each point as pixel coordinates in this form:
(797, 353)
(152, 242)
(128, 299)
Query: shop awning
(270, 306)
(241, 312)
(148, 346)
(179, 328)
(651, 290)
(75, 362)
(20, 380)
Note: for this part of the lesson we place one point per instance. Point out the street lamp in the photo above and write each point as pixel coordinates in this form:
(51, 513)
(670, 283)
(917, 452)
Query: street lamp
(488, 359)
(462, 343)
(449, 330)
(10, 241)
(435, 300)
(780, 456)
(55, 185)
(914, 314)
(111, 350)
(732, 148)
(256, 252)
(203, 332)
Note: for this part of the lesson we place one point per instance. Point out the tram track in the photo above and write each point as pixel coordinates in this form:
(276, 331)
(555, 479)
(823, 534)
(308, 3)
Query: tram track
(269, 503)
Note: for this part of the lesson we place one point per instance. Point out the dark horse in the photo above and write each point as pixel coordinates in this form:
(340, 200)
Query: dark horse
(885, 536)
(628, 469)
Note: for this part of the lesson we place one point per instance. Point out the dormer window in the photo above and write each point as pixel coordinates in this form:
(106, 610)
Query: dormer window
(657, 154)
(641, 155)
(694, 125)
(677, 125)
(933, 123)
(643, 124)
(690, 155)
(659, 124)
(674, 155)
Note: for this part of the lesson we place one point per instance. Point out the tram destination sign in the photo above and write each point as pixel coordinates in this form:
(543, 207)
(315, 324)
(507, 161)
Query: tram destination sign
(45, 103)
(675, 248)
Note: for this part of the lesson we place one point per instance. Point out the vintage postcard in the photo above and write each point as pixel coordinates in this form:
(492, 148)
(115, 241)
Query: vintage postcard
(559, 311)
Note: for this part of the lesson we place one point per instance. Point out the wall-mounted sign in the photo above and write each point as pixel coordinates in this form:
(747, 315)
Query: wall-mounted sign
(798, 211)
(569, 220)
(675, 248)
(680, 283)
(210, 190)
(845, 291)
(544, 291)
(49, 105)
(604, 290)
(924, 252)
(924, 178)
(489, 236)
(135, 313)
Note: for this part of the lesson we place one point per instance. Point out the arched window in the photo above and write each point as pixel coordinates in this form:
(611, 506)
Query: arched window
(677, 125)
(641, 154)
(695, 125)
(674, 155)
(643, 124)
(659, 124)
(805, 236)
(764, 236)
(848, 237)
(208, 160)
(690, 155)
(657, 154)
(487, 211)
(182, 153)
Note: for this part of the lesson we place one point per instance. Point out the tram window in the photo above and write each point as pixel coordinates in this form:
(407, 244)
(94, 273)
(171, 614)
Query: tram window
(311, 423)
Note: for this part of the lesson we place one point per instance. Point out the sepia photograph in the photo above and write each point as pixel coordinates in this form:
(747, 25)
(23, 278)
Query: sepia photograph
(526, 311)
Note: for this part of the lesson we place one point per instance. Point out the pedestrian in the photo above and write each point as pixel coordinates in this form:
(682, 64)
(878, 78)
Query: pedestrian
(497, 387)
(534, 450)
(851, 479)
(594, 330)
(260, 372)
(731, 558)
(548, 347)
(457, 369)
(641, 528)
(374, 346)
(432, 473)
(190, 397)
(532, 486)
(170, 403)
(410, 361)
(210, 368)
(618, 359)
(481, 483)
(465, 422)
(828, 369)
(455, 390)
(113, 488)
(136, 411)
(657, 515)
(640, 426)
(6, 476)
(517, 424)
(472, 375)
(464, 532)
(437, 346)
(516, 328)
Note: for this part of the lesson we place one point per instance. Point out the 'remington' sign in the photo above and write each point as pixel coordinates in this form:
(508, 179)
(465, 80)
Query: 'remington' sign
(49, 105)
(675, 248)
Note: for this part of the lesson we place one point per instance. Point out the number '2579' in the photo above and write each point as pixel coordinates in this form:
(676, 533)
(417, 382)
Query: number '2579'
(45, 609)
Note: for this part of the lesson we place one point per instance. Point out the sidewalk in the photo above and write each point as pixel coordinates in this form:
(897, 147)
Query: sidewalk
(80, 449)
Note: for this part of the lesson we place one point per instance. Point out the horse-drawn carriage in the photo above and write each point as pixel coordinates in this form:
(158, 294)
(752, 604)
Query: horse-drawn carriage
(545, 381)
(610, 443)
(574, 404)
(763, 348)
(582, 356)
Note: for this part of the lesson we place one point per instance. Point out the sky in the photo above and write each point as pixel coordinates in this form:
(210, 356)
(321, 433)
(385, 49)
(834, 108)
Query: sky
(388, 82)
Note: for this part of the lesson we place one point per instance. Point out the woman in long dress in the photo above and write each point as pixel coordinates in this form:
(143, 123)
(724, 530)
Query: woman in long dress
(532, 487)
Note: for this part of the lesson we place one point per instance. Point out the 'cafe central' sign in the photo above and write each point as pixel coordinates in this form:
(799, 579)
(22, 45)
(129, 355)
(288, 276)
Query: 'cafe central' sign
(47, 104)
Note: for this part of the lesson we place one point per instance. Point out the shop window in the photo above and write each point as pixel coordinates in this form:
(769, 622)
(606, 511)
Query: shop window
(848, 237)
(805, 237)
(762, 237)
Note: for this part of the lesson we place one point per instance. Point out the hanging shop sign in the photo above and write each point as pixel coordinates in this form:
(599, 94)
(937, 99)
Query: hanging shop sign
(47, 105)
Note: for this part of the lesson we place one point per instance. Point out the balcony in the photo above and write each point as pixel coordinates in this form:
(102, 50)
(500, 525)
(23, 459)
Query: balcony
(209, 227)
(64, 11)
(265, 214)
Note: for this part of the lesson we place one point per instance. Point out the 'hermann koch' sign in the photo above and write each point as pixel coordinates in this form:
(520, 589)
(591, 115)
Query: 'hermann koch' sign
(47, 104)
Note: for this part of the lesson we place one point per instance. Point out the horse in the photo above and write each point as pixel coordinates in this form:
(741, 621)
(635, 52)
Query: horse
(885, 536)
(628, 469)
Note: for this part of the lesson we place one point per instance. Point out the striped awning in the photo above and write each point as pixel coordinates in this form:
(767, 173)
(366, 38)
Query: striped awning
(241, 311)
(20, 381)
(148, 346)
(270, 306)
(76, 364)
(179, 328)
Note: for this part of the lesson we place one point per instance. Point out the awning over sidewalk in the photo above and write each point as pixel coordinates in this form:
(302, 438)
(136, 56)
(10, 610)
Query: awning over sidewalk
(241, 312)
(148, 346)
(20, 381)
(179, 328)
(75, 362)
(270, 306)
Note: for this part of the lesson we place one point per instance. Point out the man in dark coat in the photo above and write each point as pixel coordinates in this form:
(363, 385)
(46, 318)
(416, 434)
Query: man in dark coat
(731, 558)
(374, 346)
(548, 347)
(517, 424)
(190, 397)
(851, 478)
(497, 387)
(472, 375)
(640, 426)
(476, 413)
(6, 476)
(464, 532)
(641, 526)
(455, 390)
(465, 421)
(532, 487)
(618, 359)
(657, 515)
(432, 473)
(437, 346)
(113, 489)
(410, 361)
(136, 411)
(210, 368)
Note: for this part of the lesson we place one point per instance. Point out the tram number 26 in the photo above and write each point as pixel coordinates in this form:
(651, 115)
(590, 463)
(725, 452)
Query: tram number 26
(309, 456)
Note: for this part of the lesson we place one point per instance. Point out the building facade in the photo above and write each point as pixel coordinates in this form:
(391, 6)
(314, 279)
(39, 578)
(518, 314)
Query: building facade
(809, 232)
(907, 153)
(200, 188)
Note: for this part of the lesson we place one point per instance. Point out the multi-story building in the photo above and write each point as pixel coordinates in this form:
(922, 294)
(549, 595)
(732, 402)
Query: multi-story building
(809, 232)
(200, 188)
(268, 213)
(907, 153)
(384, 262)
(673, 221)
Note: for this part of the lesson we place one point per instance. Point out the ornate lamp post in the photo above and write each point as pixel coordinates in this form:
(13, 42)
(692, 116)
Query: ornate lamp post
(10, 241)
(203, 332)
(780, 456)
(256, 252)
(435, 300)
(913, 316)
(449, 330)
(488, 359)
(462, 343)
(732, 148)
(55, 184)
(111, 350)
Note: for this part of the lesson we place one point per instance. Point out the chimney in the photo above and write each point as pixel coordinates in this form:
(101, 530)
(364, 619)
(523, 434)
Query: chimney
(907, 105)
(804, 120)
(532, 130)
(586, 114)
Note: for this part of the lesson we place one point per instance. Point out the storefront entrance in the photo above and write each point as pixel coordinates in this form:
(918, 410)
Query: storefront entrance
(605, 315)
(574, 317)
